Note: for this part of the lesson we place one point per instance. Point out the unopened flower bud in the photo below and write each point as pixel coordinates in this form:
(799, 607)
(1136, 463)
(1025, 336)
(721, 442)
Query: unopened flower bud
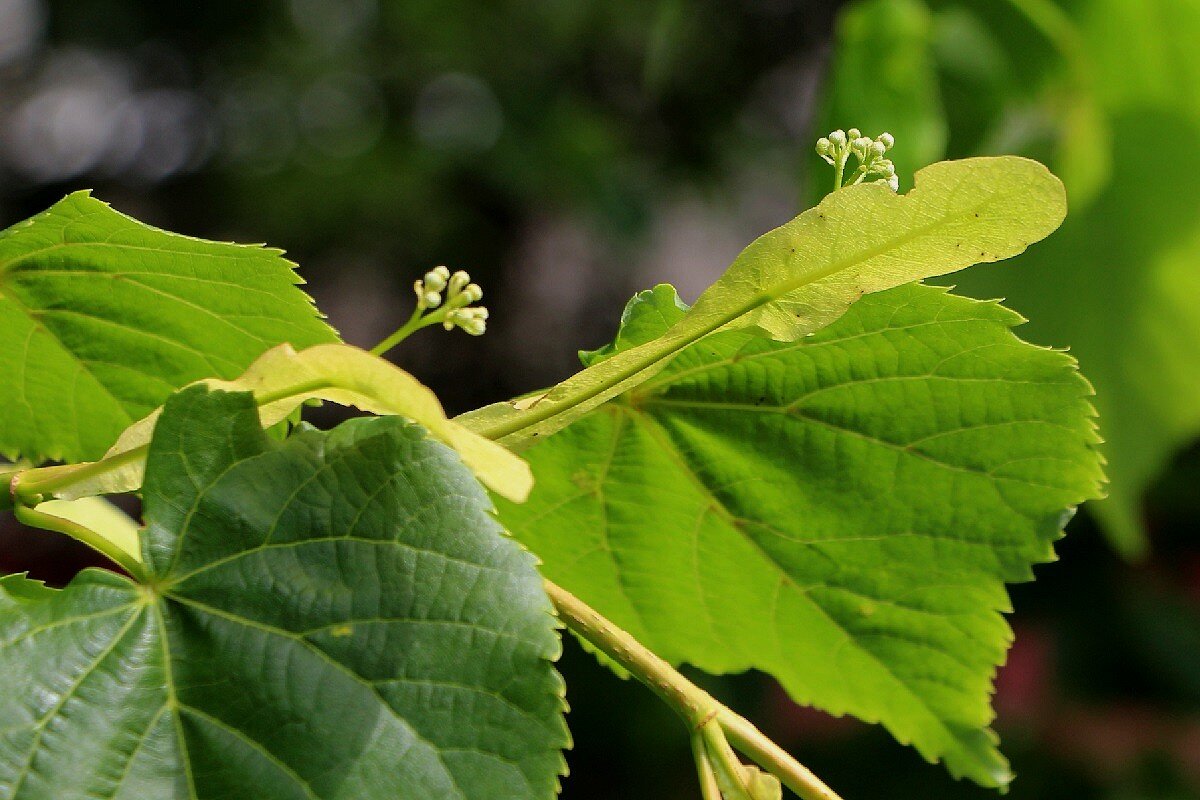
(458, 281)
(854, 133)
(473, 293)
(433, 299)
(878, 149)
(435, 280)
(887, 140)
(838, 138)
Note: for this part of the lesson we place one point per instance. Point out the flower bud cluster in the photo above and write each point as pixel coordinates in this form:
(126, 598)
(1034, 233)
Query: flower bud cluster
(838, 146)
(459, 294)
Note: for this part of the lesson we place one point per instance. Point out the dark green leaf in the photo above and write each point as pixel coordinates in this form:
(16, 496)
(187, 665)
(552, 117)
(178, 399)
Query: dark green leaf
(336, 616)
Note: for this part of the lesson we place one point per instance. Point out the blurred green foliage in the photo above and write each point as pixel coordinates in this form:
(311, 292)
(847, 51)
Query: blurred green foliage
(357, 133)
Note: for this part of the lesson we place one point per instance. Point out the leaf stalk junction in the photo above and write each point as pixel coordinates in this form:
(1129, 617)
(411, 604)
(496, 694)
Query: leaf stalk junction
(716, 730)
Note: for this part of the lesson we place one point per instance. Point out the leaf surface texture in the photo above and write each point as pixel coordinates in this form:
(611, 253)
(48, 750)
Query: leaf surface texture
(841, 512)
(335, 616)
(102, 317)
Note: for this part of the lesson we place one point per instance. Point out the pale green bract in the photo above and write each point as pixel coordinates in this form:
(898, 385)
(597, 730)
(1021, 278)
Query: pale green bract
(841, 512)
(102, 317)
(335, 616)
(282, 379)
(798, 278)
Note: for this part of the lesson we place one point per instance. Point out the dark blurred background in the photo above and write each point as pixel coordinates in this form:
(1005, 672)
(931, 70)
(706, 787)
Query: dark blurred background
(567, 154)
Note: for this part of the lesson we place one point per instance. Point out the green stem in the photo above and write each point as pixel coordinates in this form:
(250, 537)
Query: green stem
(685, 698)
(725, 764)
(38, 519)
(840, 169)
(709, 788)
(29, 490)
(697, 707)
(771, 757)
(414, 324)
(33, 486)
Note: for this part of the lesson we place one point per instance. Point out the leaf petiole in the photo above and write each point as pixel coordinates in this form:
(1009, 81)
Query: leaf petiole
(29, 489)
(39, 519)
(700, 710)
(709, 788)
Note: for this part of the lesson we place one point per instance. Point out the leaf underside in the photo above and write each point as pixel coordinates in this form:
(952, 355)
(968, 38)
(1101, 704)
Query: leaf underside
(102, 317)
(336, 616)
(841, 512)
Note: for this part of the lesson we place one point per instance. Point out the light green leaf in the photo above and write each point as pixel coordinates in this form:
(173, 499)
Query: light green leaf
(281, 381)
(648, 315)
(800, 277)
(102, 317)
(841, 512)
(335, 616)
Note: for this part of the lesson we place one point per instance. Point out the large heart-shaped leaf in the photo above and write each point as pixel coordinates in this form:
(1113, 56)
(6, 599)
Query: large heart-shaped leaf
(102, 317)
(336, 616)
(842, 512)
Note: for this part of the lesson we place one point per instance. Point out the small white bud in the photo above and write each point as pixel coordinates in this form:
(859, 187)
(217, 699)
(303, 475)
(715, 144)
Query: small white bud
(887, 140)
(854, 133)
(894, 183)
(475, 326)
(878, 149)
(435, 281)
(472, 292)
(838, 138)
(824, 147)
(433, 299)
(458, 281)
(885, 167)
